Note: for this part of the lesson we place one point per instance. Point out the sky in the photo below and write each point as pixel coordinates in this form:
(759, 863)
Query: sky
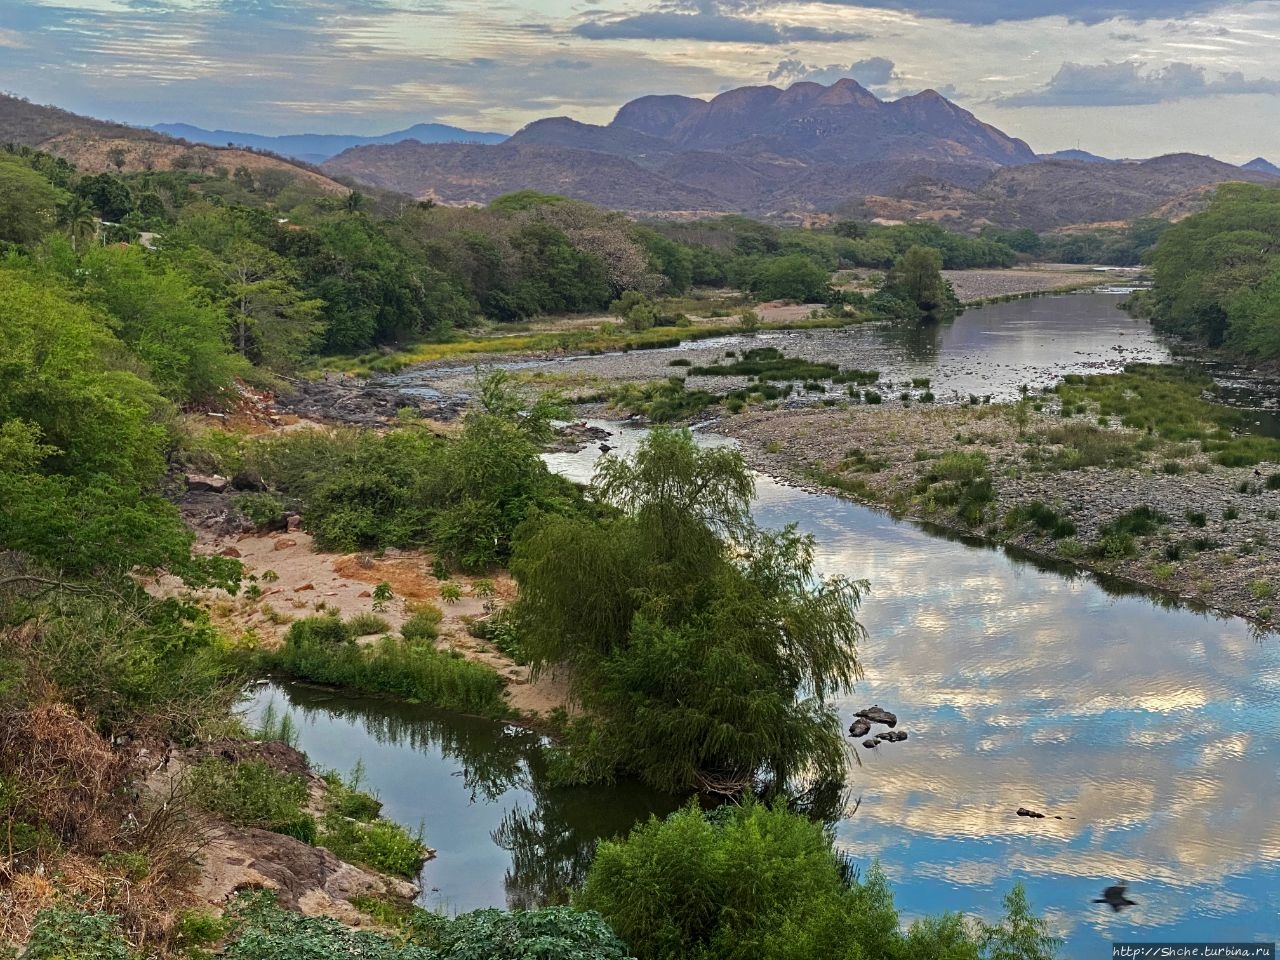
(1123, 78)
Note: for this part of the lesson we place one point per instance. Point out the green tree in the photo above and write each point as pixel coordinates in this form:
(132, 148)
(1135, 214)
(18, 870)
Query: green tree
(792, 277)
(916, 278)
(704, 648)
(29, 203)
(760, 883)
(75, 216)
(167, 321)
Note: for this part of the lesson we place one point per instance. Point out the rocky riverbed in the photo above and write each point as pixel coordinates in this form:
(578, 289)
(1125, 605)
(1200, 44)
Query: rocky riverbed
(1216, 544)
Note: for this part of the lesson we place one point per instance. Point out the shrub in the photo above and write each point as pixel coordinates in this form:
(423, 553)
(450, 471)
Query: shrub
(1273, 481)
(264, 510)
(327, 629)
(1044, 518)
(411, 671)
(872, 397)
(249, 793)
(70, 933)
(423, 625)
(1196, 518)
(364, 624)
(1171, 467)
(1229, 514)
(754, 881)
(382, 845)
(1261, 590)
(450, 593)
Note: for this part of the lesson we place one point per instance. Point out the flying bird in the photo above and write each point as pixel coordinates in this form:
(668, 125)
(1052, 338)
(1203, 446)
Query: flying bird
(1114, 898)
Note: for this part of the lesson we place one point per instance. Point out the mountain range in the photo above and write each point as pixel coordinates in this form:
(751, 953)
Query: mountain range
(760, 150)
(318, 147)
(796, 153)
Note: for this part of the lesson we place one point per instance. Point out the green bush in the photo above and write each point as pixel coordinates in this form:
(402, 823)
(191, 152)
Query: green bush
(249, 793)
(381, 845)
(1196, 518)
(263, 510)
(755, 881)
(365, 623)
(393, 666)
(557, 933)
(1044, 518)
(326, 629)
(423, 625)
(69, 933)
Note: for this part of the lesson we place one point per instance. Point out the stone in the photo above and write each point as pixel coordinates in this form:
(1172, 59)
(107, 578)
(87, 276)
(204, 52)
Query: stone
(877, 715)
(284, 543)
(293, 522)
(1034, 815)
(859, 728)
(892, 736)
(305, 586)
(229, 552)
(211, 483)
(871, 743)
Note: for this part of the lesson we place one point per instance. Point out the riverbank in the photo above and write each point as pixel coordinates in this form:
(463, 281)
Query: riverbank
(1211, 543)
(288, 579)
(974, 287)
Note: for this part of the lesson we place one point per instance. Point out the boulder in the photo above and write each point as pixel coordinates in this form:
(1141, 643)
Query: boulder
(892, 736)
(1034, 815)
(877, 715)
(229, 552)
(859, 728)
(211, 483)
(871, 743)
(284, 543)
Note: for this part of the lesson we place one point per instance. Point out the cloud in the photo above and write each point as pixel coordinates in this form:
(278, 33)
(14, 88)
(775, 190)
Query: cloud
(994, 11)
(710, 27)
(1125, 84)
(872, 72)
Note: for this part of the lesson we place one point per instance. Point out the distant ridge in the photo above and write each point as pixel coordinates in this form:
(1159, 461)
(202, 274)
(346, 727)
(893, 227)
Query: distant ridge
(1082, 155)
(99, 146)
(318, 147)
(760, 150)
(1261, 165)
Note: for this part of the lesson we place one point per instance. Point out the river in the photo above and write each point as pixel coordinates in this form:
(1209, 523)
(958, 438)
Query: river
(1153, 731)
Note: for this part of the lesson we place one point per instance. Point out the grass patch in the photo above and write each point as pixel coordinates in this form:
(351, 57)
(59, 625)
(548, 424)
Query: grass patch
(1043, 518)
(365, 624)
(662, 401)
(249, 793)
(957, 480)
(769, 363)
(317, 650)
(1084, 445)
(1169, 402)
(1119, 538)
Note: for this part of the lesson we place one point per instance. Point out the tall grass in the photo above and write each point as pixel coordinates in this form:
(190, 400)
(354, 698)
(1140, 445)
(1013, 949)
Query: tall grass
(317, 650)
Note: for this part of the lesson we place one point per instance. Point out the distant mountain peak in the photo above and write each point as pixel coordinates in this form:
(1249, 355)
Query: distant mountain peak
(318, 147)
(1262, 165)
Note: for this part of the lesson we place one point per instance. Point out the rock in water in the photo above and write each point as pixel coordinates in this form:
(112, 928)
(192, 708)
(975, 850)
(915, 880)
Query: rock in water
(893, 736)
(859, 728)
(871, 743)
(877, 715)
(1033, 814)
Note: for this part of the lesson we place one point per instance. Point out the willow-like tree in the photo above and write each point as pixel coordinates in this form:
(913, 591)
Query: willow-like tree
(704, 649)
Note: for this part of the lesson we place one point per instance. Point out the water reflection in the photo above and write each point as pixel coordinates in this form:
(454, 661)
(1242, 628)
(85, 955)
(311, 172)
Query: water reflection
(503, 837)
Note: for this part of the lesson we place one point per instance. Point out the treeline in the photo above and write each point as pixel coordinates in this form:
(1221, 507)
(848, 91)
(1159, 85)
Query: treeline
(1127, 246)
(1217, 274)
(297, 274)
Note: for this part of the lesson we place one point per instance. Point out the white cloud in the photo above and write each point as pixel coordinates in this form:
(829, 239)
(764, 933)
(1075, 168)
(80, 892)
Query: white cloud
(1126, 83)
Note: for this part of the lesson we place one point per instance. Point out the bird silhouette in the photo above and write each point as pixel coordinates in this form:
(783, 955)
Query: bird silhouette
(1114, 898)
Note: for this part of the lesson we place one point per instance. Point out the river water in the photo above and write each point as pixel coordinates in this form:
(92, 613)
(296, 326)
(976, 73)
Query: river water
(1153, 731)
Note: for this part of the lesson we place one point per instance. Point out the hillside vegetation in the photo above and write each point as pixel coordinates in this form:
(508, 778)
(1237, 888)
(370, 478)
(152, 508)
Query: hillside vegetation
(1217, 274)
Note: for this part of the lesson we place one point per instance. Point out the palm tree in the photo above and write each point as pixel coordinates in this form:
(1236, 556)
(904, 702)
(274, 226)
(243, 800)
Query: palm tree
(77, 218)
